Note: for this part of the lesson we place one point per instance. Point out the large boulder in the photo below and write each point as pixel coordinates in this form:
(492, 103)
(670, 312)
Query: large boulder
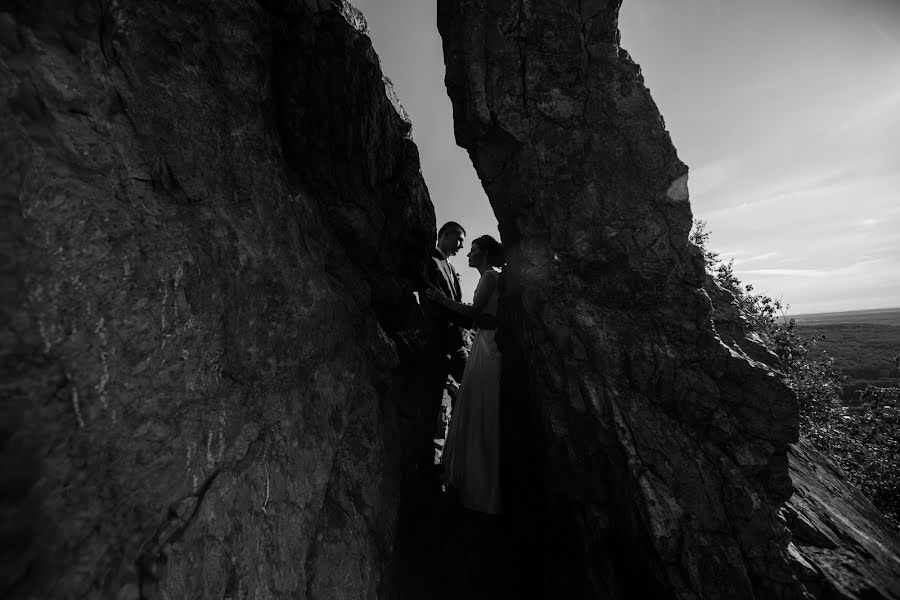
(646, 457)
(209, 212)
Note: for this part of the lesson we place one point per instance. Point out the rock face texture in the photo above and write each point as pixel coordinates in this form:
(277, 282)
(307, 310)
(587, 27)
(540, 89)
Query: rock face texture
(646, 456)
(209, 211)
(842, 547)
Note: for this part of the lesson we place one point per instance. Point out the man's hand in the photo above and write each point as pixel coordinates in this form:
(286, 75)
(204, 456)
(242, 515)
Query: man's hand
(434, 294)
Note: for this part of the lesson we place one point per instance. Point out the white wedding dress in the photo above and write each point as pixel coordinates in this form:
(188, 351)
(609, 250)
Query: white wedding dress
(472, 451)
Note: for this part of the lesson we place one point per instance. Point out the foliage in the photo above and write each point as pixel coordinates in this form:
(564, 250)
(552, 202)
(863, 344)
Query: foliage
(864, 440)
(760, 310)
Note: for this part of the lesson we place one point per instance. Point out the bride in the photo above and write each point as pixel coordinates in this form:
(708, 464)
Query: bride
(472, 450)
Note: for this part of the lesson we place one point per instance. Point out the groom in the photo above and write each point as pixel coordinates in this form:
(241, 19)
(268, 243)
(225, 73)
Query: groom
(447, 347)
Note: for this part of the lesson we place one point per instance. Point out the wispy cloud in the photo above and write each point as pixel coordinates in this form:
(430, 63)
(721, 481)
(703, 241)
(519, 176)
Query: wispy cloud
(859, 266)
(884, 35)
(711, 176)
(727, 254)
(884, 106)
(743, 257)
(758, 257)
(786, 272)
(791, 260)
(814, 183)
(836, 193)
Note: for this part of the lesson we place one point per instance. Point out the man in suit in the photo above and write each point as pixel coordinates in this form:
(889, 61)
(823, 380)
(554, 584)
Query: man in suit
(447, 346)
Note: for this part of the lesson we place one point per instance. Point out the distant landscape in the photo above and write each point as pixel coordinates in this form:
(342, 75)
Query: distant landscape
(864, 344)
(879, 316)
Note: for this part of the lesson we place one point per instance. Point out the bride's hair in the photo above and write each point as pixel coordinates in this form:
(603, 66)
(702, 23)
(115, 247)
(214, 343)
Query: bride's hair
(492, 249)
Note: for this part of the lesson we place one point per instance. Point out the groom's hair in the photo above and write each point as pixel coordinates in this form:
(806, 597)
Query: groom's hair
(450, 225)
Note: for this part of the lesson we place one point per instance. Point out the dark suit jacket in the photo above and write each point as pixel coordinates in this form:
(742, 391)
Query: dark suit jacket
(446, 325)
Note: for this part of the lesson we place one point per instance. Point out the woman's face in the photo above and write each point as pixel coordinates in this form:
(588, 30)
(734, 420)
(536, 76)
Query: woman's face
(476, 256)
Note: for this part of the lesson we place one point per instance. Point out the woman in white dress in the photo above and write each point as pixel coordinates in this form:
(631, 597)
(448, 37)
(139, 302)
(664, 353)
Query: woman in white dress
(471, 455)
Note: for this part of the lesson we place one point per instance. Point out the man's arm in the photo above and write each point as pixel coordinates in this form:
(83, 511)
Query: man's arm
(436, 311)
(483, 293)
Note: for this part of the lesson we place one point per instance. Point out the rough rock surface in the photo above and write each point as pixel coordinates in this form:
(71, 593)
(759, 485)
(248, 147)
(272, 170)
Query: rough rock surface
(199, 280)
(646, 457)
(732, 326)
(842, 547)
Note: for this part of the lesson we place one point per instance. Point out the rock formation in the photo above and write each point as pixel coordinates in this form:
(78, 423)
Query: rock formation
(210, 211)
(648, 457)
(842, 547)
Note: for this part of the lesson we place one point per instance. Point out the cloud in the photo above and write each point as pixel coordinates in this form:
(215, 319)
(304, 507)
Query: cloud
(865, 283)
(791, 260)
(734, 253)
(881, 108)
(785, 272)
(889, 39)
(752, 198)
(756, 258)
(713, 175)
(811, 184)
(740, 257)
(861, 266)
(831, 194)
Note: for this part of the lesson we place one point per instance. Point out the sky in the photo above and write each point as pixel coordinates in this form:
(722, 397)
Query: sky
(787, 113)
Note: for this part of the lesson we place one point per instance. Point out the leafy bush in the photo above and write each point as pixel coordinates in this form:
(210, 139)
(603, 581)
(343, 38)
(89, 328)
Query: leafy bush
(864, 440)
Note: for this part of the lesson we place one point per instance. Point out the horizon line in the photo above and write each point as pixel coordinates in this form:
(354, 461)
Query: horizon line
(843, 312)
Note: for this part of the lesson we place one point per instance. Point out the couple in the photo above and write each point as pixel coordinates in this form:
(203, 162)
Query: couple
(471, 456)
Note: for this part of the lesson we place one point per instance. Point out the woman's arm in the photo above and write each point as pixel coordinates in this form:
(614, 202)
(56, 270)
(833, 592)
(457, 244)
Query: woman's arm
(483, 292)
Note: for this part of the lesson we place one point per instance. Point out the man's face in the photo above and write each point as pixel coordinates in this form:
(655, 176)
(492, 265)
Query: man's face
(451, 241)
